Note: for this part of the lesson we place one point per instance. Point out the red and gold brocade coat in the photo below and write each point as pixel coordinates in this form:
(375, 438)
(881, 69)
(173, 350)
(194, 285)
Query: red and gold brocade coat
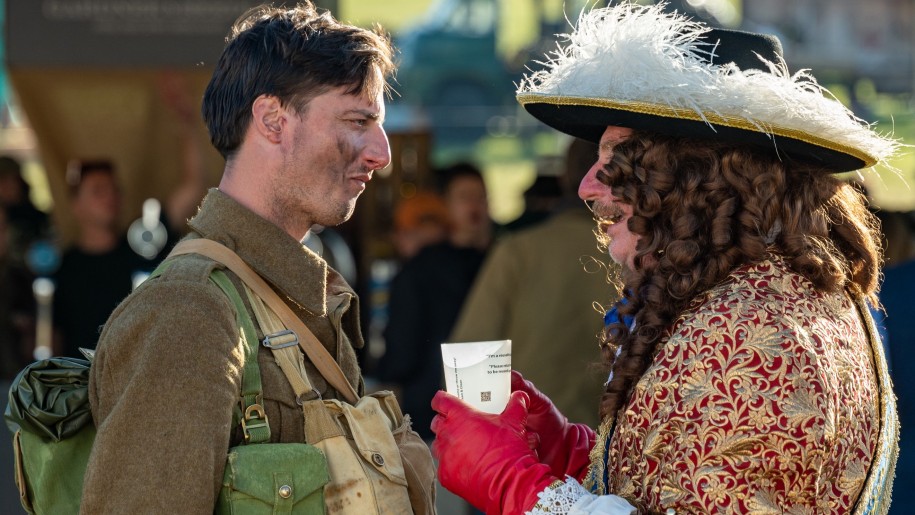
(763, 399)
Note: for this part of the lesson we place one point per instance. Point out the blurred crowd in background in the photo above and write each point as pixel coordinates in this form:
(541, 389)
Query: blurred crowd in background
(433, 250)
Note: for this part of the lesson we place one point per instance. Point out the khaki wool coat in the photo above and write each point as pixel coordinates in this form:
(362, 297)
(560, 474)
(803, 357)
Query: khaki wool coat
(167, 373)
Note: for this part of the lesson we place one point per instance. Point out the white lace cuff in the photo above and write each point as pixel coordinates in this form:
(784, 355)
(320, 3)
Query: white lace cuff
(570, 498)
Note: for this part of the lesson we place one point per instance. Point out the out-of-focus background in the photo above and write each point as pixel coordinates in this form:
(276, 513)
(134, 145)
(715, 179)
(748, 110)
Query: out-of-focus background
(121, 80)
(80, 80)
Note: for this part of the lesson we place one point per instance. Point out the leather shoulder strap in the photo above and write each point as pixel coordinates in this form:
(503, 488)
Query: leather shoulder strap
(316, 352)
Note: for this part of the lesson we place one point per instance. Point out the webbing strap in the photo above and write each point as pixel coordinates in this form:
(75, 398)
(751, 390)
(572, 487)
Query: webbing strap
(287, 354)
(250, 414)
(253, 418)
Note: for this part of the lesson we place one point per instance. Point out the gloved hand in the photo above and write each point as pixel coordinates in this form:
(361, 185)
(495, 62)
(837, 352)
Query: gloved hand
(565, 447)
(485, 458)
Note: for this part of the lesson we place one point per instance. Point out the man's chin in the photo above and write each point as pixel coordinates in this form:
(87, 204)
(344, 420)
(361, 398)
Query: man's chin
(343, 214)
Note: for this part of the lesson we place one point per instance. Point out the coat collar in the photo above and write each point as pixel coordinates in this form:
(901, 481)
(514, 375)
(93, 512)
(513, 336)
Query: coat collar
(292, 269)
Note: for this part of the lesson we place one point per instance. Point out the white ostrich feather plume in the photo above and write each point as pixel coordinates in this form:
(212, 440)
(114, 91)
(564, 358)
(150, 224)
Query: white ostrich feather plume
(640, 54)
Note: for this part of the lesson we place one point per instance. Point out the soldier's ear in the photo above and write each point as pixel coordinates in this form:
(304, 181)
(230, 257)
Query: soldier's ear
(268, 118)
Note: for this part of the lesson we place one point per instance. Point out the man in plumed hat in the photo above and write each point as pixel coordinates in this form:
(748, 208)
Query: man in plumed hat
(744, 371)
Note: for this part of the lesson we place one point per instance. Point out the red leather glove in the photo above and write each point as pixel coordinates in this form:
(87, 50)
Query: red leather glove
(563, 446)
(485, 458)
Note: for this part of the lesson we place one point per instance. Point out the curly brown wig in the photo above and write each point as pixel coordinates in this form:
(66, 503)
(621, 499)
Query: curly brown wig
(702, 209)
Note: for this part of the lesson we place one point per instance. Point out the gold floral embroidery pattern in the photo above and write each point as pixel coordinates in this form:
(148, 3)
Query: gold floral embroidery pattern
(763, 400)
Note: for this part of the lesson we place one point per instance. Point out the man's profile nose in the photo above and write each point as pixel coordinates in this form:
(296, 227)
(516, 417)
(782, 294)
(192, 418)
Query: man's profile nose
(590, 188)
(378, 152)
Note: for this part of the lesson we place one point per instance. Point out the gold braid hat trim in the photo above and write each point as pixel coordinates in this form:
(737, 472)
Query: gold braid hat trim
(688, 114)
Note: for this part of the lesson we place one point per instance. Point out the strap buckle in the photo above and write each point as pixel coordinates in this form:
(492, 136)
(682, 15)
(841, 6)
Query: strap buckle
(280, 340)
(253, 412)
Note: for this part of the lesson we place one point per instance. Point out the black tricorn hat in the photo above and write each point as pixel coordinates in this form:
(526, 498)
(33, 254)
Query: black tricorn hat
(642, 68)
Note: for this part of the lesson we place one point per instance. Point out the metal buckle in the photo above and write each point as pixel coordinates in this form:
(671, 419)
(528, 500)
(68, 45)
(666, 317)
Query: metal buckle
(253, 412)
(280, 340)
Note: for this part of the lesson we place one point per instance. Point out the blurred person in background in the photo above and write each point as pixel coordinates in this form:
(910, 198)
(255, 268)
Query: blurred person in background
(102, 266)
(426, 295)
(98, 270)
(535, 289)
(540, 200)
(182, 201)
(425, 299)
(419, 221)
(17, 343)
(17, 309)
(26, 222)
(106, 262)
(896, 296)
(464, 191)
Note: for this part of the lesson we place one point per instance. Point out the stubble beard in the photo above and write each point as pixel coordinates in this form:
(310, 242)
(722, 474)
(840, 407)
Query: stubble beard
(299, 205)
(344, 213)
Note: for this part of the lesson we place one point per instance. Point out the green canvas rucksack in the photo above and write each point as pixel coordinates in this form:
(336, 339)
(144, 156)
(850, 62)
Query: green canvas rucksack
(53, 433)
(50, 417)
